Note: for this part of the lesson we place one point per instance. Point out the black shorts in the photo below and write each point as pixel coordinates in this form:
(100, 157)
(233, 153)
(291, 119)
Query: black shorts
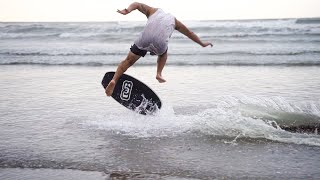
(135, 50)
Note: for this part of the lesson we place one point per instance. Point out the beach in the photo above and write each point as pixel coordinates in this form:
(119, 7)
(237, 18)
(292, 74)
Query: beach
(248, 108)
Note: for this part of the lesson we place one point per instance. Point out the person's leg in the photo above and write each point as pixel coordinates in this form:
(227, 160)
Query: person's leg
(162, 59)
(122, 67)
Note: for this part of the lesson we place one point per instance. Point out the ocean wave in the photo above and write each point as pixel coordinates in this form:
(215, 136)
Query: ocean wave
(134, 34)
(21, 28)
(253, 35)
(240, 53)
(65, 30)
(130, 37)
(308, 21)
(68, 36)
(60, 54)
(237, 29)
(145, 63)
(246, 53)
(58, 63)
(262, 39)
(239, 43)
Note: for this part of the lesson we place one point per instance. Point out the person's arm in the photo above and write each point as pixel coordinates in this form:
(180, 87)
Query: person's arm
(184, 30)
(143, 8)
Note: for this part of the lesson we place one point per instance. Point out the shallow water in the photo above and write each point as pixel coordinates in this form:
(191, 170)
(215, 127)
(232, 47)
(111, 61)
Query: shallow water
(248, 108)
(216, 122)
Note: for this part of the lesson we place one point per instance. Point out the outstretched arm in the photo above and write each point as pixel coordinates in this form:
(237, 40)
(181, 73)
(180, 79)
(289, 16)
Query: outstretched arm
(143, 8)
(184, 30)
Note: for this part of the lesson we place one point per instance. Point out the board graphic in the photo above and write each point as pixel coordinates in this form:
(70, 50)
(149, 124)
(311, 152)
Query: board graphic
(133, 94)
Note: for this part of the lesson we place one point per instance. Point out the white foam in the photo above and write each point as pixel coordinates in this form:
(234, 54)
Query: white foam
(216, 121)
(134, 124)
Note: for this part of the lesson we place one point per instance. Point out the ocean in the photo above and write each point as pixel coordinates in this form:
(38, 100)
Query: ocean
(247, 108)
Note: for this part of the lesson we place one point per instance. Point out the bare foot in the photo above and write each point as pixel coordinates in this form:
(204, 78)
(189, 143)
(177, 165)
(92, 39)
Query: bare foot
(110, 87)
(160, 79)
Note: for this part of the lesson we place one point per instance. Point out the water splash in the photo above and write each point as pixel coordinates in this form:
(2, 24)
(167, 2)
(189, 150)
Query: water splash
(225, 120)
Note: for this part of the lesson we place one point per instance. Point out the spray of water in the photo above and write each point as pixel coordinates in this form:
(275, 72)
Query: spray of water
(223, 120)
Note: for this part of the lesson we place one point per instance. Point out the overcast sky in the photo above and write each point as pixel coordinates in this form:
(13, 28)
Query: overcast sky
(105, 10)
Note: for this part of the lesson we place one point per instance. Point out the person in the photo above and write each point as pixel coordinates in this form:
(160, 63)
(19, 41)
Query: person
(154, 39)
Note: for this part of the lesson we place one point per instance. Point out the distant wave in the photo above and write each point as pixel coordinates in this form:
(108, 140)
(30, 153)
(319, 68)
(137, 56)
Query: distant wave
(279, 42)
(211, 29)
(59, 54)
(308, 21)
(268, 37)
(121, 35)
(226, 63)
(58, 64)
(242, 53)
(64, 35)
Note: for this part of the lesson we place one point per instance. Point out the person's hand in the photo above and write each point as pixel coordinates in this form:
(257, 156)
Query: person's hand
(207, 44)
(123, 11)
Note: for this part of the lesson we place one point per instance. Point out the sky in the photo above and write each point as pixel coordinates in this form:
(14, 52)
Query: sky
(105, 10)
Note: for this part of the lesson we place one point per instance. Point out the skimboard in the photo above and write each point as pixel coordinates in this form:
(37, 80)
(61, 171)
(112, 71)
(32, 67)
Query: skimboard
(133, 94)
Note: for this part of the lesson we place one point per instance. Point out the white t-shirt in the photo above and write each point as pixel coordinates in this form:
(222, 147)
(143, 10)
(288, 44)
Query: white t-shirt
(157, 32)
